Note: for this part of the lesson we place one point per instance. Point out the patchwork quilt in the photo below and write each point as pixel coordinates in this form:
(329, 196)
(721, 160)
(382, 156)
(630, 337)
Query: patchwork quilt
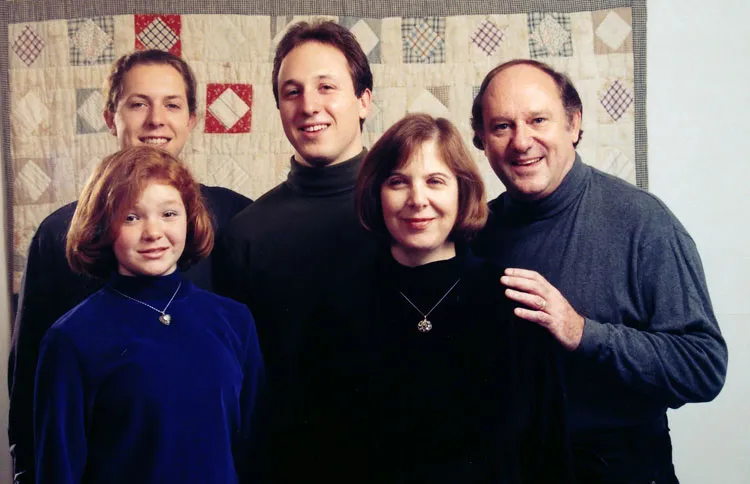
(426, 56)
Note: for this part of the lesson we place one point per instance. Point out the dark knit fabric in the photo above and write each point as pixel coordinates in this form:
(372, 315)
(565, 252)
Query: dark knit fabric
(477, 399)
(626, 264)
(122, 398)
(50, 289)
(280, 252)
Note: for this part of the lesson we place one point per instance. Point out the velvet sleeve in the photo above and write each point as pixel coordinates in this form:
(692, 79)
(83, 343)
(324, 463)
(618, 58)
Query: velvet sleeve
(680, 355)
(250, 445)
(59, 412)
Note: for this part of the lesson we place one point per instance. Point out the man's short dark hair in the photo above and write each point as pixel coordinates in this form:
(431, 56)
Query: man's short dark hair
(328, 33)
(568, 94)
(122, 66)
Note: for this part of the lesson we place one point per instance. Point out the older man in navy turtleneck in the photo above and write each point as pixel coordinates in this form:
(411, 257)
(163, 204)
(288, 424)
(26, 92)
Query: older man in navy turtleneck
(605, 267)
(281, 252)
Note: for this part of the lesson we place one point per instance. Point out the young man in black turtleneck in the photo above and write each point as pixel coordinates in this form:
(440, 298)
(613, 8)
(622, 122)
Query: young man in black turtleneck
(282, 250)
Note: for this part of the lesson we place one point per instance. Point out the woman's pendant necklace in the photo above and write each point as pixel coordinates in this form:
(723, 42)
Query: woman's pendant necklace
(164, 318)
(425, 325)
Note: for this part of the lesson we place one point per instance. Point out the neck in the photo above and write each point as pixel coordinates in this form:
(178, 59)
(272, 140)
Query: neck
(413, 258)
(325, 162)
(325, 180)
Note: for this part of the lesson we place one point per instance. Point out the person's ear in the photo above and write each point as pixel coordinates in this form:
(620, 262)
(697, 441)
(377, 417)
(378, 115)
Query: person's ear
(574, 126)
(478, 141)
(109, 119)
(365, 104)
(192, 121)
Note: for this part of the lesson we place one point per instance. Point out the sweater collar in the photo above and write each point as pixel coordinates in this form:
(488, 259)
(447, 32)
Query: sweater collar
(569, 190)
(153, 290)
(327, 180)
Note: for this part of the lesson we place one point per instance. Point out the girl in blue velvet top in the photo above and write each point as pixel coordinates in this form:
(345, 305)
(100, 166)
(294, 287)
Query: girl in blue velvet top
(151, 379)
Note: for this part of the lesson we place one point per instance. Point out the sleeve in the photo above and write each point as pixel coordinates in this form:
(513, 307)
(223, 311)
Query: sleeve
(59, 412)
(231, 267)
(679, 355)
(250, 447)
(37, 311)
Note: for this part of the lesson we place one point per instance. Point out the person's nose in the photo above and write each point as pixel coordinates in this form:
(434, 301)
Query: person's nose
(522, 138)
(417, 195)
(152, 229)
(156, 115)
(310, 102)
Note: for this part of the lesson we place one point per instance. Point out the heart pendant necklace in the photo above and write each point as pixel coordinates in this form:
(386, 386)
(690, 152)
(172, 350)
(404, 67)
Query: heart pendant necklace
(164, 318)
(425, 325)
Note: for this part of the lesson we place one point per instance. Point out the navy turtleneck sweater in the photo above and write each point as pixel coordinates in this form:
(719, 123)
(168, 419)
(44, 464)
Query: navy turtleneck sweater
(627, 265)
(50, 289)
(277, 256)
(478, 398)
(122, 398)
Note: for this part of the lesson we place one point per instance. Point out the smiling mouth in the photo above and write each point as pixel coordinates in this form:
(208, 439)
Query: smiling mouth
(527, 162)
(418, 223)
(153, 253)
(152, 140)
(313, 128)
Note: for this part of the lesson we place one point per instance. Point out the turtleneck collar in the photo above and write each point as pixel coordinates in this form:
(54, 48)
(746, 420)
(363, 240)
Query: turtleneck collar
(325, 181)
(154, 290)
(426, 278)
(568, 191)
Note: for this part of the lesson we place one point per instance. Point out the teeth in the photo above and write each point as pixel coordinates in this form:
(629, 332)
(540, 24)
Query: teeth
(528, 162)
(311, 129)
(155, 141)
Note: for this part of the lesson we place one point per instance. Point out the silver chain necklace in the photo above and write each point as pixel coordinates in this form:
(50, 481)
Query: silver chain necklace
(424, 325)
(165, 318)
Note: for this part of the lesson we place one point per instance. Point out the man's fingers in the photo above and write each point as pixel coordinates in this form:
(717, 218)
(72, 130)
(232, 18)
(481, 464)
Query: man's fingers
(533, 301)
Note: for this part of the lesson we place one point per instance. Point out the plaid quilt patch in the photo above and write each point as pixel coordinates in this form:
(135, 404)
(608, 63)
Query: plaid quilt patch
(617, 100)
(158, 32)
(91, 41)
(424, 40)
(488, 37)
(549, 35)
(28, 45)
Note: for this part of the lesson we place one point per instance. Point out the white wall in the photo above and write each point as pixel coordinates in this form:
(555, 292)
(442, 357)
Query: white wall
(698, 111)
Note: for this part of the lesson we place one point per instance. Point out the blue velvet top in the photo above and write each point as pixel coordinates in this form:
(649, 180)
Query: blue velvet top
(122, 398)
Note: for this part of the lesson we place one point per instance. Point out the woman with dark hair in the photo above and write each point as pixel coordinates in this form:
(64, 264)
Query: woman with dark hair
(150, 379)
(418, 370)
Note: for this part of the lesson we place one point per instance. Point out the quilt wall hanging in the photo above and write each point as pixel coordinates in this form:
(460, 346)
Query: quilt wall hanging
(426, 56)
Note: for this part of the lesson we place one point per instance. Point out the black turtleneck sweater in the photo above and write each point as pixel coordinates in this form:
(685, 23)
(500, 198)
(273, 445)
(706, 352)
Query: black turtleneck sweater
(478, 398)
(627, 265)
(280, 252)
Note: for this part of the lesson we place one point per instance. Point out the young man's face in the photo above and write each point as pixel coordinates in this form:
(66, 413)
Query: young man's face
(319, 110)
(152, 109)
(527, 135)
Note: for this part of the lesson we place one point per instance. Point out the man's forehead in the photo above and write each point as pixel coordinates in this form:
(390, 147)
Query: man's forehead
(522, 87)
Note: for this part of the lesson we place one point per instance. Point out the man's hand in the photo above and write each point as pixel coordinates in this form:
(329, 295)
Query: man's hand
(545, 306)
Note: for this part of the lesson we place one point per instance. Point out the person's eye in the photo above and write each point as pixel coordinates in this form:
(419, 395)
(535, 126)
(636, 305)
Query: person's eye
(174, 106)
(500, 126)
(327, 87)
(289, 93)
(131, 217)
(171, 213)
(539, 120)
(436, 181)
(395, 182)
(136, 104)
